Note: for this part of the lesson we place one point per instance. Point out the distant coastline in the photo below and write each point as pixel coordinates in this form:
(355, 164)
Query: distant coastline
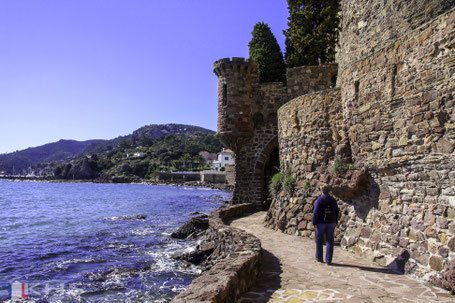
(225, 187)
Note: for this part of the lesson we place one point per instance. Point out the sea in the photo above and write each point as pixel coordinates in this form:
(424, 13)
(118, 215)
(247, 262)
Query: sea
(86, 242)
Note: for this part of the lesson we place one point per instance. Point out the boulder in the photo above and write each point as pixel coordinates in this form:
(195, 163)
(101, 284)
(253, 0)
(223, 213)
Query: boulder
(200, 254)
(193, 228)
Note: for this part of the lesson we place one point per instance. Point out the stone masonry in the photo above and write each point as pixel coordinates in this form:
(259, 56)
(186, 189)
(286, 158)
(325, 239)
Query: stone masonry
(247, 118)
(384, 139)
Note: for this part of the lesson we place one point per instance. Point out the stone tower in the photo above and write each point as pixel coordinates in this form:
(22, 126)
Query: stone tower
(235, 123)
(248, 123)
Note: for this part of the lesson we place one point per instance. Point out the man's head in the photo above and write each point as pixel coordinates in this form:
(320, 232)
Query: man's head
(325, 188)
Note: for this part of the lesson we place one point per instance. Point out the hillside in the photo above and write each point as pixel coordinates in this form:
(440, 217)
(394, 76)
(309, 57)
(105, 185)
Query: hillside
(141, 157)
(69, 150)
(50, 152)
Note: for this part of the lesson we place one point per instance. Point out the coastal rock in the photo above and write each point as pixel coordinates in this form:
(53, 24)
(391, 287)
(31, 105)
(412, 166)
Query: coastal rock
(199, 255)
(193, 228)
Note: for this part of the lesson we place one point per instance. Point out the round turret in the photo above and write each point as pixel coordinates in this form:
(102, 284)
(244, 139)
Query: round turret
(235, 123)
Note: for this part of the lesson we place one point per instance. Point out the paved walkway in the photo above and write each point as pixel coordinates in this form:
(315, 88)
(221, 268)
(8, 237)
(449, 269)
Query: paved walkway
(291, 275)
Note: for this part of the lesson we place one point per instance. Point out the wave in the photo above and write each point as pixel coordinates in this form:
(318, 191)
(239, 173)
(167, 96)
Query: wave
(127, 218)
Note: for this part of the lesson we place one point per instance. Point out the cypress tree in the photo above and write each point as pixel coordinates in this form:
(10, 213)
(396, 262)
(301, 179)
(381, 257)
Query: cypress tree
(265, 51)
(313, 32)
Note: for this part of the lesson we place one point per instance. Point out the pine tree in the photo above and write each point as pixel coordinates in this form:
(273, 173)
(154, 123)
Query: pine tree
(313, 32)
(265, 51)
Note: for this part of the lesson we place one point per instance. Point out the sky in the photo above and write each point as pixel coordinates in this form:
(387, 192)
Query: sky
(98, 69)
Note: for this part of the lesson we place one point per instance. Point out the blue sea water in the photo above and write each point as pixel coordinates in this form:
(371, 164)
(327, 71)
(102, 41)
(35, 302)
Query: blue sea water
(83, 242)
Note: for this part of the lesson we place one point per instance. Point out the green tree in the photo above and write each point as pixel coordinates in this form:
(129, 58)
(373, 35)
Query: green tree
(265, 51)
(313, 32)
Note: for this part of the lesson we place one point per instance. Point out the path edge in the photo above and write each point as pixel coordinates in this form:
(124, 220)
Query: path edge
(238, 255)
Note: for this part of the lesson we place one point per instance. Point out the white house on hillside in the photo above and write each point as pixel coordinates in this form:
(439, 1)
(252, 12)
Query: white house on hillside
(225, 157)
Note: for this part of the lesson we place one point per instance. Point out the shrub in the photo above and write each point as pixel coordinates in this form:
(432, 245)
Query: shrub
(289, 185)
(341, 167)
(307, 185)
(275, 184)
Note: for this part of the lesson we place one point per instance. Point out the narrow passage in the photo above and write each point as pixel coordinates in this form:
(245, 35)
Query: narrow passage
(291, 275)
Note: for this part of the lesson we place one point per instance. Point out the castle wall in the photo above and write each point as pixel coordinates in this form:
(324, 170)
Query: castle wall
(398, 122)
(367, 26)
(247, 118)
(305, 79)
(310, 129)
(399, 108)
(251, 158)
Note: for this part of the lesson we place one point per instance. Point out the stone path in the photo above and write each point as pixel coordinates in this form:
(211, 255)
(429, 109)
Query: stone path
(291, 275)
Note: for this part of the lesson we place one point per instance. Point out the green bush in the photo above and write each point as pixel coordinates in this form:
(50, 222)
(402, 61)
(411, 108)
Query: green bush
(275, 184)
(289, 185)
(342, 167)
(307, 185)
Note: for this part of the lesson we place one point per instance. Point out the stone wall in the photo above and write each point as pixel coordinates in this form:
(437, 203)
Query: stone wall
(306, 79)
(208, 177)
(395, 144)
(179, 176)
(399, 109)
(230, 174)
(238, 258)
(310, 129)
(367, 26)
(247, 118)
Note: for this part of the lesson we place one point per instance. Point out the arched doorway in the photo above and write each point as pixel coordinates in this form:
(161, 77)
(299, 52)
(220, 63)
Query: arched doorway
(272, 166)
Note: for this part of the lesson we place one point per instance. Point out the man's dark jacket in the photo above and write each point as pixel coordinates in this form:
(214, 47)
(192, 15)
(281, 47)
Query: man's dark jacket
(322, 203)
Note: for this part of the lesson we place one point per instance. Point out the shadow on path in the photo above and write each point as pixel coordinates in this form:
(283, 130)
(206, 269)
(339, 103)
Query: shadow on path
(366, 268)
(269, 279)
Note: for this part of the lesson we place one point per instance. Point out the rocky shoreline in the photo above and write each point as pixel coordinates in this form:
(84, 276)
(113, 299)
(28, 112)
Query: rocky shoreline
(230, 258)
(225, 187)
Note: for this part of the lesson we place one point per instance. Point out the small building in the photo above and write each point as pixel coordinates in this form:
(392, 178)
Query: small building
(208, 157)
(138, 155)
(225, 157)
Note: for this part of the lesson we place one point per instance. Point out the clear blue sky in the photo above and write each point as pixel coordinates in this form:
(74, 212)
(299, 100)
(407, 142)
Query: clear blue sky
(97, 69)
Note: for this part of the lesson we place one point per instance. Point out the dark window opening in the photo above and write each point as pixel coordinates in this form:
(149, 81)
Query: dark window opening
(393, 80)
(224, 94)
(334, 81)
(356, 91)
(258, 120)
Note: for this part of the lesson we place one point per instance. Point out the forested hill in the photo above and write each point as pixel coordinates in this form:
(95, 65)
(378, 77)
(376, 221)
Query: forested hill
(66, 150)
(32, 156)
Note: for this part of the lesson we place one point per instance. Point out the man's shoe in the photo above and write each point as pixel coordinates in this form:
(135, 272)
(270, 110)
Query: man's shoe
(329, 263)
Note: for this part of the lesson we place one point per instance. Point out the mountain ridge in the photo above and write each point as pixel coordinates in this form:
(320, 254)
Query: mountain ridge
(67, 149)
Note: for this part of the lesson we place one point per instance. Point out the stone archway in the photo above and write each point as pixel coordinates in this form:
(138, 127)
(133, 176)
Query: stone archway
(267, 164)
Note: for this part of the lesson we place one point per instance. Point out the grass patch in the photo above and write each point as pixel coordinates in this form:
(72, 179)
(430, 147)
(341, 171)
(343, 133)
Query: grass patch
(342, 167)
(289, 185)
(275, 184)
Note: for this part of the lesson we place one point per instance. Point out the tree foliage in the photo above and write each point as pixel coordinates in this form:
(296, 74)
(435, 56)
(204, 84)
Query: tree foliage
(312, 32)
(265, 51)
(170, 153)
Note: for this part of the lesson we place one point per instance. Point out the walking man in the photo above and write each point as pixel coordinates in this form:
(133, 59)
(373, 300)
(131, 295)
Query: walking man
(325, 218)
